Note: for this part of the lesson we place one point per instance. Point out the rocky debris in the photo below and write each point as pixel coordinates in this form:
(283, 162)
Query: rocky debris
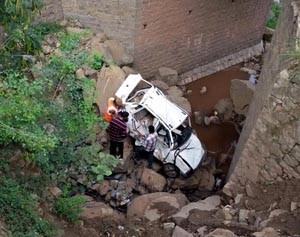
(182, 102)
(3, 229)
(120, 54)
(294, 206)
(203, 90)
(128, 70)
(241, 93)
(207, 180)
(55, 191)
(201, 231)
(268, 34)
(248, 70)
(209, 204)
(161, 85)
(179, 232)
(267, 232)
(108, 82)
(80, 73)
(155, 205)
(175, 91)
(167, 75)
(94, 211)
(224, 107)
(221, 232)
(153, 181)
(199, 117)
(276, 212)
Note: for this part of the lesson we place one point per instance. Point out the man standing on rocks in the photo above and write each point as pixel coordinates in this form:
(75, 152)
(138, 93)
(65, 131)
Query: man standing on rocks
(147, 148)
(117, 130)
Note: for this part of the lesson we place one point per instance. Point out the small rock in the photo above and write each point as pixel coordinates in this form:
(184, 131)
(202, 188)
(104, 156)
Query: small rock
(238, 198)
(243, 215)
(80, 73)
(267, 232)
(276, 212)
(221, 233)
(294, 206)
(55, 191)
(169, 226)
(202, 230)
(203, 90)
(179, 232)
(249, 190)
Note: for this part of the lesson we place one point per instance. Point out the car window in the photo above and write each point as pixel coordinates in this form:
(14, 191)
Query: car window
(181, 135)
(164, 135)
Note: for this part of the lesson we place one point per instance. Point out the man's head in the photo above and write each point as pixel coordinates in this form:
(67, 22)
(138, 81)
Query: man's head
(118, 102)
(151, 129)
(124, 115)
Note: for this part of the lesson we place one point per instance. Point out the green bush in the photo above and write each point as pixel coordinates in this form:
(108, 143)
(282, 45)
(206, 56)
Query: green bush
(96, 61)
(276, 9)
(17, 209)
(69, 208)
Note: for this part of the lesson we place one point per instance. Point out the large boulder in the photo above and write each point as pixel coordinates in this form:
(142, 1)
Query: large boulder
(181, 102)
(95, 211)
(108, 82)
(153, 181)
(209, 204)
(161, 85)
(207, 180)
(119, 53)
(103, 49)
(128, 70)
(221, 232)
(175, 91)
(241, 93)
(224, 108)
(167, 75)
(156, 205)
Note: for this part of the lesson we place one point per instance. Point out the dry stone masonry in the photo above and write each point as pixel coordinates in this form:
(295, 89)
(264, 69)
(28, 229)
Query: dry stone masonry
(268, 150)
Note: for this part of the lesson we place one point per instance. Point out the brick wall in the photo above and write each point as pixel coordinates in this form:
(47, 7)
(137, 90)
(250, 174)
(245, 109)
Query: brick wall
(114, 17)
(185, 34)
(268, 149)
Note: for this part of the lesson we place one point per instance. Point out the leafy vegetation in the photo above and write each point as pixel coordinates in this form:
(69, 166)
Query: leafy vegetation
(69, 208)
(47, 113)
(17, 208)
(276, 9)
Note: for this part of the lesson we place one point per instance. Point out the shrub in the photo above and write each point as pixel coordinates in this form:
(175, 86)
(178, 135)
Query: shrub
(69, 208)
(17, 209)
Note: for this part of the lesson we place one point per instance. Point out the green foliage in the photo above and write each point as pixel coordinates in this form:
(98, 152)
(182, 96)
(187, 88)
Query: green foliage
(17, 209)
(96, 61)
(276, 9)
(16, 16)
(69, 42)
(21, 112)
(69, 208)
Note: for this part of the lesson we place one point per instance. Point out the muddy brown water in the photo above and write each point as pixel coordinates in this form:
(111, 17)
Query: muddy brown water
(217, 138)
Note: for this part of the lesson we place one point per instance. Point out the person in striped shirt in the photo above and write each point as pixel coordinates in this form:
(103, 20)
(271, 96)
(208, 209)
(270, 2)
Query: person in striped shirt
(148, 147)
(117, 130)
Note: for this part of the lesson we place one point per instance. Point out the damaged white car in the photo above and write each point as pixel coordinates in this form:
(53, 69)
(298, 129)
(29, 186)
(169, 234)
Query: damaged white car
(178, 148)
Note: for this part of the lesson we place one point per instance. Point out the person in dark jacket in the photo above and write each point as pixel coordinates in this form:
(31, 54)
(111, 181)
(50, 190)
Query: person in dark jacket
(117, 130)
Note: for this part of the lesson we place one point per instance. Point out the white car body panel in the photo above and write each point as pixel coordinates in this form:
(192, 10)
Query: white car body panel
(186, 157)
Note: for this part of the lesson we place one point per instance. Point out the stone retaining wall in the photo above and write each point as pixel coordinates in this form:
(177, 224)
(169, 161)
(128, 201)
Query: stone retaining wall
(221, 64)
(268, 149)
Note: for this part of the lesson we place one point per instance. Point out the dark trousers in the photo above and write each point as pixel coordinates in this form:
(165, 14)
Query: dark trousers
(140, 153)
(116, 149)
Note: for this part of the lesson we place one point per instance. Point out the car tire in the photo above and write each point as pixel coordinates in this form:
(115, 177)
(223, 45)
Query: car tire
(171, 170)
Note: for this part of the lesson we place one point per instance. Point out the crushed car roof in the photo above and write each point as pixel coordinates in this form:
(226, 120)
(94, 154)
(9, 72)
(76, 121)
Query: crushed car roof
(155, 102)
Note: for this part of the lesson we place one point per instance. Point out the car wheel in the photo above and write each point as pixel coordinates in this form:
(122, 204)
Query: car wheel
(171, 170)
